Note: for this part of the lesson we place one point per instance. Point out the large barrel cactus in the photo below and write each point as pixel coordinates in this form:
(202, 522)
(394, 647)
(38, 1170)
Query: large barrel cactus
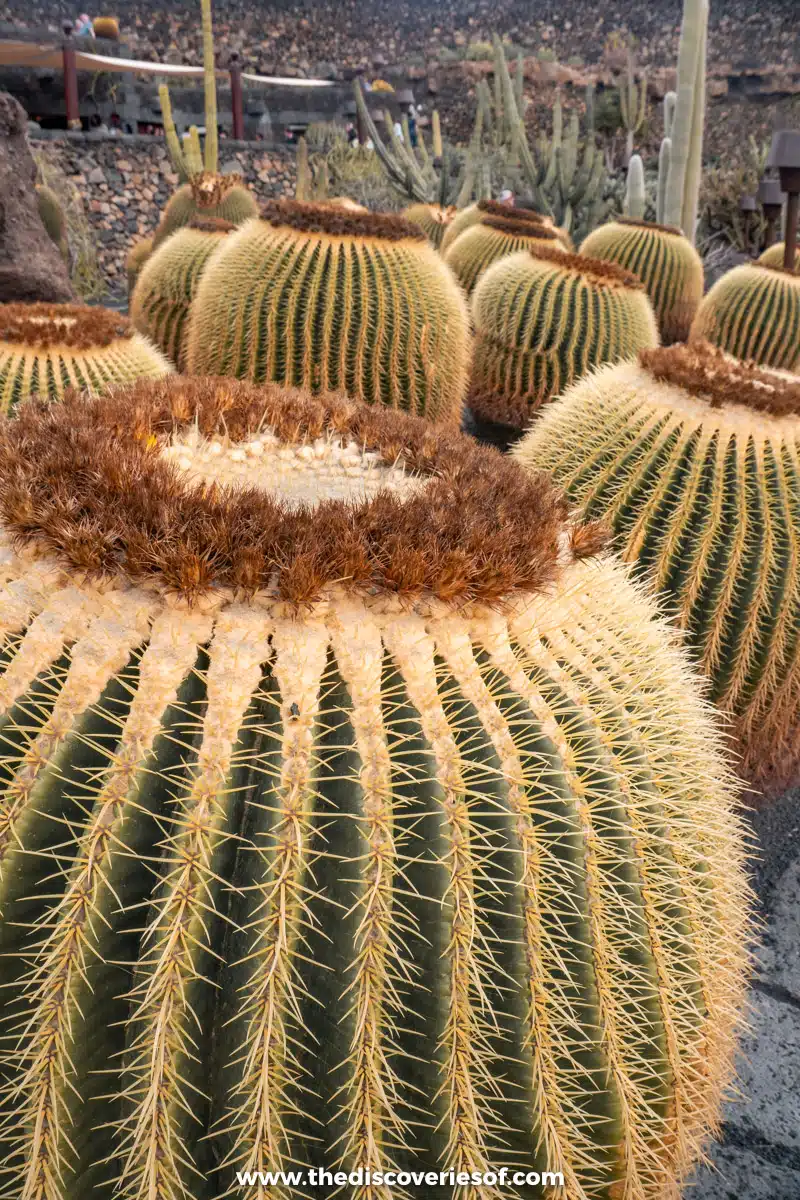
(48, 348)
(331, 300)
(207, 194)
(753, 312)
(433, 220)
(494, 238)
(693, 457)
(136, 257)
(168, 283)
(356, 815)
(666, 262)
(542, 319)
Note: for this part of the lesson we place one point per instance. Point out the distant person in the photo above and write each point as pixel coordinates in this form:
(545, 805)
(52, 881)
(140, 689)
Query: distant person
(412, 126)
(352, 134)
(83, 26)
(398, 131)
(507, 197)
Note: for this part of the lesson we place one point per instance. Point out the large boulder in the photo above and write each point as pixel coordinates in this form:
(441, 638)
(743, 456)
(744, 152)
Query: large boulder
(31, 267)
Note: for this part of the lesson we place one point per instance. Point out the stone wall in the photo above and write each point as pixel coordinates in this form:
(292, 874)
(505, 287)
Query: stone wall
(126, 181)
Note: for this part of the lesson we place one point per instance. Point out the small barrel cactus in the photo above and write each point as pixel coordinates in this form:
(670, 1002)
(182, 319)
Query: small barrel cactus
(137, 256)
(355, 815)
(773, 257)
(46, 349)
(474, 213)
(493, 238)
(543, 318)
(753, 313)
(666, 262)
(54, 220)
(207, 194)
(432, 219)
(692, 456)
(332, 300)
(168, 283)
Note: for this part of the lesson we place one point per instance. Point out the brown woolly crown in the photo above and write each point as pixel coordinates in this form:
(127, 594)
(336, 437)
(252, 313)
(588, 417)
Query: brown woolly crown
(211, 225)
(596, 270)
(639, 224)
(496, 208)
(706, 371)
(85, 480)
(340, 222)
(515, 228)
(209, 189)
(74, 326)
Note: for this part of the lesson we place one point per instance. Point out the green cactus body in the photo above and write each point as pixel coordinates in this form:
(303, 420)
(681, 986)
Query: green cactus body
(435, 882)
(53, 219)
(666, 262)
(168, 284)
(329, 300)
(492, 239)
(692, 457)
(545, 318)
(223, 197)
(138, 255)
(464, 218)
(773, 257)
(433, 220)
(47, 348)
(753, 313)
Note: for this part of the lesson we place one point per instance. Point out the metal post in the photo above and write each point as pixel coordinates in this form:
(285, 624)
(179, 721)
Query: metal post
(790, 236)
(360, 127)
(237, 103)
(71, 103)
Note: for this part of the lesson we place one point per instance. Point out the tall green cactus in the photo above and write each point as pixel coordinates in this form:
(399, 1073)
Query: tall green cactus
(693, 458)
(632, 104)
(686, 151)
(328, 299)
(635, 194)
(665, 157)
(381, 832)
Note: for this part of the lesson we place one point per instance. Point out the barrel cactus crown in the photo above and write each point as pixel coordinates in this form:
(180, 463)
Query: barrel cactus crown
(666, 262)
(494, 238)
(332, 300)
(693, 457)
(355, 812)
(542, 319)
(473, 213)
(49, 348)
(137, 256)
(168, 283)
(207, 194)
(753, 313)
(773, 257)
(433, 220)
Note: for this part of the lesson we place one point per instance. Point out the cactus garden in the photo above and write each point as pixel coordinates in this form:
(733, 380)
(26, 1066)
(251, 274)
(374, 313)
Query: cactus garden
(400, 606)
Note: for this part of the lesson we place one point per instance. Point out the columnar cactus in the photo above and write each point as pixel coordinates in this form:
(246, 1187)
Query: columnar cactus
(666, 262)
(492, 239)
(220, 197)
(429, 833)
(433, 220)
(46, 349)
(330, 300)
(168, 283)
(692, 456)
(686, 149)
(753, 312)
(137, 256)
(635, 191)
(544, 318)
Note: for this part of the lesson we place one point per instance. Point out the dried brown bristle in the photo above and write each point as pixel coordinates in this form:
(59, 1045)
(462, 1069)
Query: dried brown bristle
(340, 222)
(212, 225)
(75, 326)
(85, 480)
(706, 371)
(673, 229)
(496, 208)
(210, 189)
(516, 228)
(596, 270)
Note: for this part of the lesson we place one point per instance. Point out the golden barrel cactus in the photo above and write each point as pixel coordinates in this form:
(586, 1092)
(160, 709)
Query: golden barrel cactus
(46, 349)
(753, 313)
(137, 256)
(544, 318)
(666, 262)
(473, 213)
(207, 194)
(356, 815)
(693, 458)
(332, 300)
(163, 296)
(433, 220)
(773, 257)
(494, 238)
